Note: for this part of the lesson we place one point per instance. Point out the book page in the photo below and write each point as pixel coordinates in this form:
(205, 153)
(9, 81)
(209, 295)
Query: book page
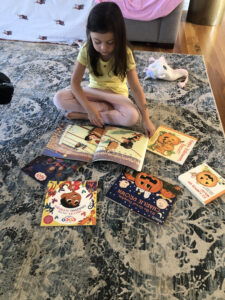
(171, 144)
(74, 142)
(122, 146)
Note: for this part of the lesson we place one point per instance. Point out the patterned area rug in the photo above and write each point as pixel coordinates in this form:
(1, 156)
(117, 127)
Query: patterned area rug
(124, 256)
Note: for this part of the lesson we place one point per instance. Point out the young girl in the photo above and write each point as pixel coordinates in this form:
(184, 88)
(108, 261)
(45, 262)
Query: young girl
(110, 62)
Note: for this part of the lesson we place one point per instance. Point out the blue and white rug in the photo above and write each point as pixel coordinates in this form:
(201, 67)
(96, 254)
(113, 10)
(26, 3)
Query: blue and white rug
(124, 256)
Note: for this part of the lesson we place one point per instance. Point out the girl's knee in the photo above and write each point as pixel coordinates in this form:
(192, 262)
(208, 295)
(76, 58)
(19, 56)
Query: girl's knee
(59, 99)
(56, 99)
(132, 117)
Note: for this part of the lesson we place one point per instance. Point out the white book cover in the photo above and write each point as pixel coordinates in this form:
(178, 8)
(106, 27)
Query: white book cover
(204, 183)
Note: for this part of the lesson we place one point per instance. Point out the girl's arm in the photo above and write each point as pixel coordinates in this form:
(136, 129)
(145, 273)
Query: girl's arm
(140, 99)
(93, 114)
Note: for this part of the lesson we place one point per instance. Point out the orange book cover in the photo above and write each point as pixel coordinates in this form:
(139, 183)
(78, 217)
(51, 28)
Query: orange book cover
(171, 144)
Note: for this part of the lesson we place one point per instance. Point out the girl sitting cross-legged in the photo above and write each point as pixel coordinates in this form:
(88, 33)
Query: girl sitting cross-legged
(111, 64)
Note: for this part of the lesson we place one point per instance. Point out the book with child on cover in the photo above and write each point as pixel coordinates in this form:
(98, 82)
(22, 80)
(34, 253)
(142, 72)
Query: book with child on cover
(44, 168)
(203, 182)
(171, 144)
(70, 203)
(145, 194)
(89, 143)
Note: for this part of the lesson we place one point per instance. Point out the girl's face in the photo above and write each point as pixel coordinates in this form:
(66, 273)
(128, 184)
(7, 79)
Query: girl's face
(103, 43)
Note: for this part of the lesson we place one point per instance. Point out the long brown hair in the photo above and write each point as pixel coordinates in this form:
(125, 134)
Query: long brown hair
(107, 17)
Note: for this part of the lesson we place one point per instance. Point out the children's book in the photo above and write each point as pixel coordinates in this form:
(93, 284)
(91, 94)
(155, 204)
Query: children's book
(171, 144)
(70, 203)
(44, 168)
(89, 143)
(145, 194)
(204, 183)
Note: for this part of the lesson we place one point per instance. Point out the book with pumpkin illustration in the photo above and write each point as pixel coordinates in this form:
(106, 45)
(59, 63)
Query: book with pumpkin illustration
(89, 143)
(145, 194)
(70, 203)
(204, 183)
(171, 144)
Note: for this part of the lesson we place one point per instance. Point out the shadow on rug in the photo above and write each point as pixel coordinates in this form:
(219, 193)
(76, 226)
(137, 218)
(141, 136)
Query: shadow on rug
(124, 256)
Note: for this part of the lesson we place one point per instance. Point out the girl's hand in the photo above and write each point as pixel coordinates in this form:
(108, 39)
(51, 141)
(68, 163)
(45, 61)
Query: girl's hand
(95, 117)
(149, 127)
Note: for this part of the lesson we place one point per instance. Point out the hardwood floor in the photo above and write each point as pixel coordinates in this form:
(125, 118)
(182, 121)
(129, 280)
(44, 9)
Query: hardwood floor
(208, 41)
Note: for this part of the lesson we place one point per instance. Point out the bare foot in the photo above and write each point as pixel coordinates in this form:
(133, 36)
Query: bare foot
(76, 116)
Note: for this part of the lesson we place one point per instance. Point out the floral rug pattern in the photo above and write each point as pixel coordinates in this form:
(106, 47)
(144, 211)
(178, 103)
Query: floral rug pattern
(124, 256)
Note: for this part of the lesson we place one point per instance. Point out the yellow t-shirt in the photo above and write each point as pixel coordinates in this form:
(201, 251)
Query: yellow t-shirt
(108, 81)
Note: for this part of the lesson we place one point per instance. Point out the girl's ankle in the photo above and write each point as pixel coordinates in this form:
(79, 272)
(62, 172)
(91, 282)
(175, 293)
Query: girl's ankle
(76, 116)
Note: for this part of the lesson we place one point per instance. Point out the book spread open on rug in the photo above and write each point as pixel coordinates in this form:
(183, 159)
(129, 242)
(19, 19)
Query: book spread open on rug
(89, 143)
(203, 182)
(70, 203)
(171, 144)
(145, 194)
(44, 168)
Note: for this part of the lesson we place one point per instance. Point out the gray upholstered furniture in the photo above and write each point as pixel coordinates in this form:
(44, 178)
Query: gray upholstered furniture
(162, 30)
